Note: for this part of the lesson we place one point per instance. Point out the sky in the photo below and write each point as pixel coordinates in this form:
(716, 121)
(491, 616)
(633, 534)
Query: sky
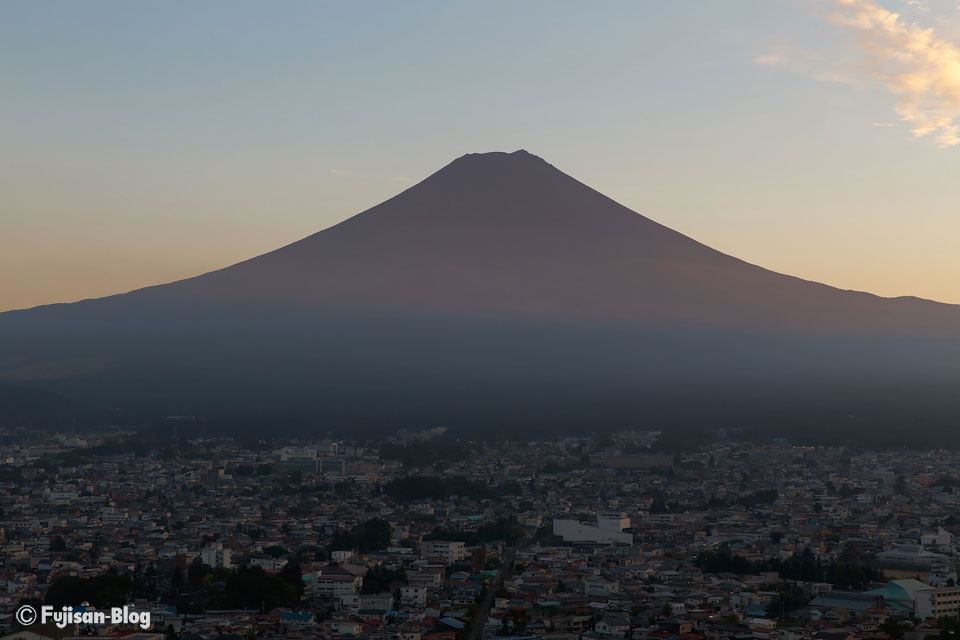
(146, 142)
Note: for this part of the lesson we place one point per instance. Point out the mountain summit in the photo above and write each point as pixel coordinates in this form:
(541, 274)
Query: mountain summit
(498, 278)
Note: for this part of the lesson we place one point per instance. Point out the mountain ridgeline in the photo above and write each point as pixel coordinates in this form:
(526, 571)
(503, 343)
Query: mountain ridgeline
(501, 294)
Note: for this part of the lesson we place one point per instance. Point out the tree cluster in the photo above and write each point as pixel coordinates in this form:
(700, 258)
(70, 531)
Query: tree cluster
(501, 530)
(106, 590)
(372, 535)
(412, 488)
(804, 566)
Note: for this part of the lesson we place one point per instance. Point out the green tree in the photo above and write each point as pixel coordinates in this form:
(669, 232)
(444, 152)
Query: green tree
(109, 589)
(379, 579)
(275, 551)
(292, 575)
(196, 571)
(900, 486)
(253, 588)
(372, 535)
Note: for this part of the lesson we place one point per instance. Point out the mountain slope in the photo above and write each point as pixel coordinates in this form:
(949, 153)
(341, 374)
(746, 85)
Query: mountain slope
(501, 280)
(507, 234)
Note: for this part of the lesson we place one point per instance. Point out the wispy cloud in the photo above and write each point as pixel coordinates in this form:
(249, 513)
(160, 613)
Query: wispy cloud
(340, 172)
(402, 179)
(882, 124)
(918, 66)
(770, 60)
(808, 64)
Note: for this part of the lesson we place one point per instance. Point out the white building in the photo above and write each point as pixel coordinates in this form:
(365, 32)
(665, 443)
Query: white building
(662, 519)
(613, 521)
(428, 578)
(937, 603)
(298, 453)
(214, 555)
(62, 497)
(336, 585)
(349, 603)
(341, 556)
(415, 597)
(912, 555)
(939, 539)
(348, 628)
(598, 587)
(448, 550)
(608, 530)
(376, 602)
(267, 563)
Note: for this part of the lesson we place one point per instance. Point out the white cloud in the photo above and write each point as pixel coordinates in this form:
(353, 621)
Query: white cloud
(882, 124)
(402, 179)
(916, 65)
(340, 172)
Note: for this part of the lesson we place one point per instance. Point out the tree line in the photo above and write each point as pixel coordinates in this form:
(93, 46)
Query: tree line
(804, 567)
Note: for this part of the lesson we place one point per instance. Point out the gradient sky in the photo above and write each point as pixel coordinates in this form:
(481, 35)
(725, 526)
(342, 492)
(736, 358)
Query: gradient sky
(145, 142)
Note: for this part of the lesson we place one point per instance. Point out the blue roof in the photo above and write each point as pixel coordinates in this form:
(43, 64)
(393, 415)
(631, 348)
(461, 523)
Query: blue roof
(453, 622)
(296, 615)
(900, 590)
(857, 601)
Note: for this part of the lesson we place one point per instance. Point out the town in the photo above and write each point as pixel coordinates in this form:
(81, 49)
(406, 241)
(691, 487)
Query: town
(423, 536)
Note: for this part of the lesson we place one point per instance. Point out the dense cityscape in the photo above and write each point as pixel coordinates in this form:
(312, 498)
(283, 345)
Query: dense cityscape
(422, 536)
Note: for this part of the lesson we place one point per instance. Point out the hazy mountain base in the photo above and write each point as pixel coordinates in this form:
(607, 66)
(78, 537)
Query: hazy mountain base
(257, 372)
